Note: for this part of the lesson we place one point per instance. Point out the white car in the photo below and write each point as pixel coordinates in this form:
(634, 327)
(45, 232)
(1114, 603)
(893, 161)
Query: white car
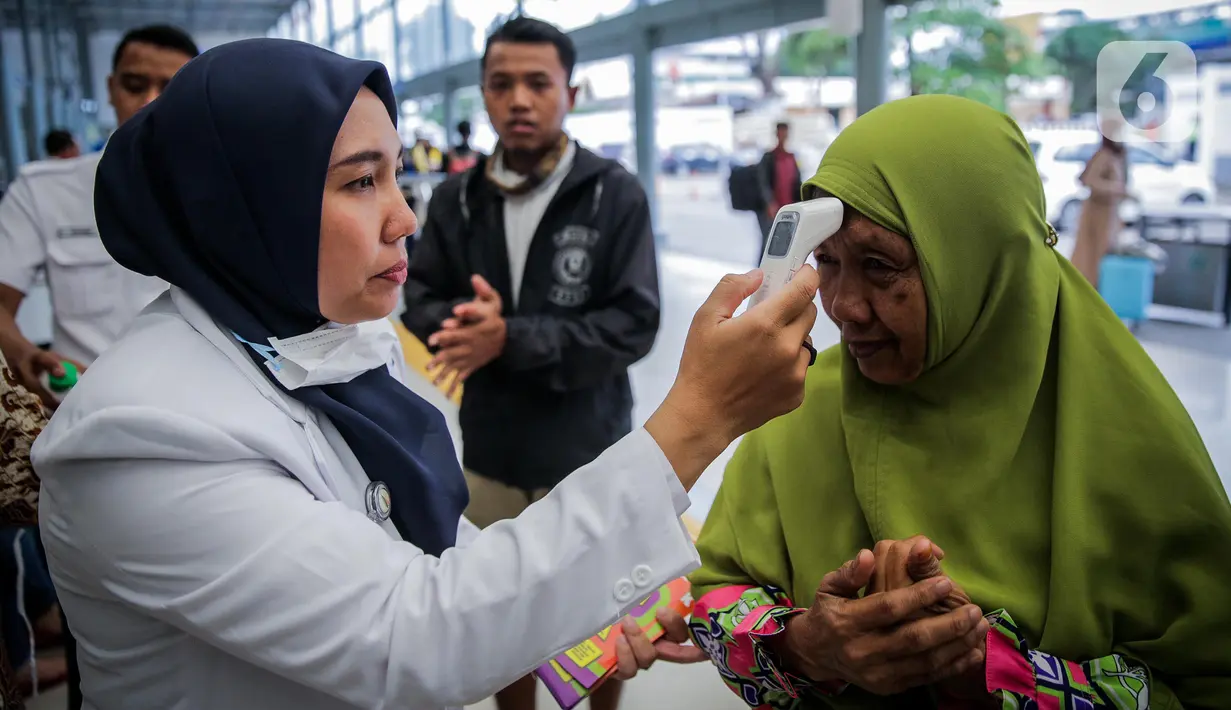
(1154, 180)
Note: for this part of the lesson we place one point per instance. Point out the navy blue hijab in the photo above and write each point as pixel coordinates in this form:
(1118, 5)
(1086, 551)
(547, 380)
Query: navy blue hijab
(216, 187)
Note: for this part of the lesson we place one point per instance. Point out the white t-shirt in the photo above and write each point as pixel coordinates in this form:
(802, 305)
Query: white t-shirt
(522, 214)
(47, 221)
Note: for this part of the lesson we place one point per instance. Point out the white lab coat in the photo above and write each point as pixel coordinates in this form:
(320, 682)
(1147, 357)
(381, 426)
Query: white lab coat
(208, 539)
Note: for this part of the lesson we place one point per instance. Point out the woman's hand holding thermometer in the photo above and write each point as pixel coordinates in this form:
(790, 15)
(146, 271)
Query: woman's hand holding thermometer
(797, 231)
(737, 372)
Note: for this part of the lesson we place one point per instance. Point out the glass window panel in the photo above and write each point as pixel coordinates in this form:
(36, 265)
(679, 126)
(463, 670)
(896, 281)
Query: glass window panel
(343, 15)
(423, 116)
(472, 21)
(320, 21)
(423, 34)
(568, 15)
(410, 12)
(345, 44)
(602, 120)
(378, 38)
(302, 22)
(367, 7)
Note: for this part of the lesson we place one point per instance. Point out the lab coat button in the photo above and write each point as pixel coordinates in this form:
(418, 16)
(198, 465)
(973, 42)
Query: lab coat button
(642, 575)
(624, 591)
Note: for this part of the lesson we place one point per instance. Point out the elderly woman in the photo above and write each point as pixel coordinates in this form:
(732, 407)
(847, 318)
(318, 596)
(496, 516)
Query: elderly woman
(983, 395)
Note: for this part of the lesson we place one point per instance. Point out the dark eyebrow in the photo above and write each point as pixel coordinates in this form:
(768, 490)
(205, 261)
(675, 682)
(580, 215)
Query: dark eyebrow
(363, 156)
(531, 74)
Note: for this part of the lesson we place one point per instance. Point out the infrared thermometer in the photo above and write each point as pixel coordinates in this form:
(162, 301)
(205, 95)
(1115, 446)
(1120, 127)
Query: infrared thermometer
(797, 231)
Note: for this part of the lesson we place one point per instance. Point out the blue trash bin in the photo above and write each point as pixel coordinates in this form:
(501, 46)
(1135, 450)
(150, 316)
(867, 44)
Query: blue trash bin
(1127, 284)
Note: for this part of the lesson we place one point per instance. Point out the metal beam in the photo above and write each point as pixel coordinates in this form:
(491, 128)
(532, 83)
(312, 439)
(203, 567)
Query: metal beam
(29, 119)
(10, 138)
(198, 15)
(872, 49)
(645, 137)
(669, 23)
(397, 42)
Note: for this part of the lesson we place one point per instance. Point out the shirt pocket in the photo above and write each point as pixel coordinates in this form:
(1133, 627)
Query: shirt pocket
(84, 279)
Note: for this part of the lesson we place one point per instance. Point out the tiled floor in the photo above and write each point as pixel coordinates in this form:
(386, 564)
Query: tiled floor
(1195, 360)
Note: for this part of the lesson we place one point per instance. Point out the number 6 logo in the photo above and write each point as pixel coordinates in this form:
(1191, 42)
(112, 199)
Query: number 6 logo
(1148, 90)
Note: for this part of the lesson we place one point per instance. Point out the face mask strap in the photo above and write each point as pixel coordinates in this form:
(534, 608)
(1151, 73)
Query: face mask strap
(264, 351)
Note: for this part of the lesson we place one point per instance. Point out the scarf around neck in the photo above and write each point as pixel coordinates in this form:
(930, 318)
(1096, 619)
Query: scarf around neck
(511, 184)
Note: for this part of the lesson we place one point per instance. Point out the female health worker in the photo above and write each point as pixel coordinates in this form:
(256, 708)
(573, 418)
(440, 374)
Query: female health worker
(244, 508)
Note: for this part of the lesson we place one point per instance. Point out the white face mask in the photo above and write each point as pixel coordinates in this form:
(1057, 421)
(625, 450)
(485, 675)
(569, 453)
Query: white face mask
(331, 354)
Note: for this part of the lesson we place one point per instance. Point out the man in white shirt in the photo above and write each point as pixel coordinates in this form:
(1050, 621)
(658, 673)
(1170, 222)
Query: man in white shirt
(47, 223)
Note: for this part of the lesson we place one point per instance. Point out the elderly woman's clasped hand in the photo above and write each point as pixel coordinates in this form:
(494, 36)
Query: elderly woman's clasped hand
(907, 631)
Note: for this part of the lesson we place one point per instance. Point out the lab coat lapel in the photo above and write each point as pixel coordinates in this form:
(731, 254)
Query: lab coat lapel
(316, 440)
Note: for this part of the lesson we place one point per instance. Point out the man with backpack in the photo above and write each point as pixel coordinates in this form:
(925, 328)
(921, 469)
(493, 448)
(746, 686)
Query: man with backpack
(765, 187)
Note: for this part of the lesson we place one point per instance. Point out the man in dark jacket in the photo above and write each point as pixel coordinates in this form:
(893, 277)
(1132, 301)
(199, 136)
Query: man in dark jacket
(780, 180)
(535, 281)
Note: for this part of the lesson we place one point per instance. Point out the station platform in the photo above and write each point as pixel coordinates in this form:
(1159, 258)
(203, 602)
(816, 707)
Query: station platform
(702, 243)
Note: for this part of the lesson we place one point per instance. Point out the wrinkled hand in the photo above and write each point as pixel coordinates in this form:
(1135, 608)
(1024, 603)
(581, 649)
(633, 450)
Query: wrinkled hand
(901, 563)
(876, 643)
(635, 653)
(30, 363)
(472, 338)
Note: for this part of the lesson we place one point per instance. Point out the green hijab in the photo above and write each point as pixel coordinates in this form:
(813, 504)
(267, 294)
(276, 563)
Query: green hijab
(1041, 448)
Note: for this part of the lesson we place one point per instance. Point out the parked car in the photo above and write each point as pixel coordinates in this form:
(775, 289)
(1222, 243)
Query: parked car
(689, 159)
(1154, 180)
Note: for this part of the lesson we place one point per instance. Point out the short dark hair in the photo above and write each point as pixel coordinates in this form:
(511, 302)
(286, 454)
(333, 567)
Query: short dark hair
(783, 124)
(463, 128)
(57, 141)
(165, 36)
(527, 30)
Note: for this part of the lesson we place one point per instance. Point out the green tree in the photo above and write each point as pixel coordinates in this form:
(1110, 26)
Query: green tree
(815, 53)
(1075, 51)
(969, 51)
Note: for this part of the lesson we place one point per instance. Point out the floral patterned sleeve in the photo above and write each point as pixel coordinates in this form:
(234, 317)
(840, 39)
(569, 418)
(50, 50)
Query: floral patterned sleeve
(1024, 679)
(21, 419)
(732, 625)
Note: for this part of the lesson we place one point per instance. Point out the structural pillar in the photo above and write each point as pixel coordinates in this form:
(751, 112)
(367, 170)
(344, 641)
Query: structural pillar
(644, 121)
(397, 44)
(51, 73)
(331, 32)
(10, 140)
(85, 68)
(86, 120)
(872, 57)
(446, 23)
(30, 118)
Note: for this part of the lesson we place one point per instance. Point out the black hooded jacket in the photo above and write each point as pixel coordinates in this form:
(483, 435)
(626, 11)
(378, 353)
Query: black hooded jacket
(559, 393)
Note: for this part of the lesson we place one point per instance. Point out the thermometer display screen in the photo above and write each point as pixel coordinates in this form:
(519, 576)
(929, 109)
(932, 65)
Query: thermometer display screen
(780, 240)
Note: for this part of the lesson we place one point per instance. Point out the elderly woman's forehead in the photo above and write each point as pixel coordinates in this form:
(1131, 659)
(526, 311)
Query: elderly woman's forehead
(858, 230)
